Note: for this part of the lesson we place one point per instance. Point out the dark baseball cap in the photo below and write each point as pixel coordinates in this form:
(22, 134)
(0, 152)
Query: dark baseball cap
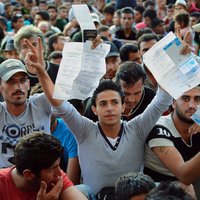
(9, 45)
(113, 50)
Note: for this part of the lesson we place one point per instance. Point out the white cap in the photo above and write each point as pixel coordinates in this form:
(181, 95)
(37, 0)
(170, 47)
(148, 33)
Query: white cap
(196, 27)
(181, 2)
(95, 17)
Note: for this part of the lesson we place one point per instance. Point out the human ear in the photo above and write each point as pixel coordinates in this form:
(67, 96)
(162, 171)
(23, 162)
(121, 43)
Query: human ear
(174, 104)
(94, 110)
(123, 107)
(28, 84)
(28, 174)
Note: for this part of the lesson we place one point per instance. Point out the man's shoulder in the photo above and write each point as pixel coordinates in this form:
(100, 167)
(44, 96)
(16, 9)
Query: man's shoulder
(149, 94)
(5, 173)
(36, 96)
(52, 70)
(120, 31)
(149, 91)
(163, 129)
(38, 99)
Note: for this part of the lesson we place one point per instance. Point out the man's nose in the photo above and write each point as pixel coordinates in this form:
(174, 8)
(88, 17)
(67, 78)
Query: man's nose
(111, 66)
(131, 98)
(58, 172)
(17, 85)
(109, 106)
(192, 104)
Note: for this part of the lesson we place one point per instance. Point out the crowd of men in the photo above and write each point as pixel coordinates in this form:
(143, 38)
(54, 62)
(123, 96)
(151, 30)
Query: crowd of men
(122, 142)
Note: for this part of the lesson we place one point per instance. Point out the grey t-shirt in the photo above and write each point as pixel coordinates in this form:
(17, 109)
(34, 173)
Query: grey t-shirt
(36, 117)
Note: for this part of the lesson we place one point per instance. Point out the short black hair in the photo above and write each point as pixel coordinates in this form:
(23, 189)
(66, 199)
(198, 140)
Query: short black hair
(130, 72)
(127, 10)
(37, 151)
(132, 184)
(140, 9)
(7, 5)
(143, 31)
(118, 12)
(109, 9)
(168, 191)
(182, 16)
(52, 7)
(146, 38)
(156, 22)
(170, 6)
(195, 14)
(125, 50)
(150, 13)
(42, 1)
(103, 28)
(106, 85)
(55, 55)
(53, 39)
(149, 3)
(44, 15)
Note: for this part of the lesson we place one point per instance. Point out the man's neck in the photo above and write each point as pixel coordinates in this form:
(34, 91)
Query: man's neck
(111, 131)
(127, 32)
(20, 182)
(53, 21)
(182, 127)
(16, 110)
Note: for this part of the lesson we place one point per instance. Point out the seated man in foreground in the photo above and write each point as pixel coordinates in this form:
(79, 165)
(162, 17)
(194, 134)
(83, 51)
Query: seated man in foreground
(37, 174)
(172, 150)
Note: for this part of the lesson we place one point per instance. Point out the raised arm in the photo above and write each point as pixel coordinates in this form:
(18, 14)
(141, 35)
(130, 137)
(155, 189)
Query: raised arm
(34, 61)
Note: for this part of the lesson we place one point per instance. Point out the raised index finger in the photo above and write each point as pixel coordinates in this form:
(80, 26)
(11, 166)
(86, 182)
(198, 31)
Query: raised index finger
(40, 49)
(178, 31)
(31, 46)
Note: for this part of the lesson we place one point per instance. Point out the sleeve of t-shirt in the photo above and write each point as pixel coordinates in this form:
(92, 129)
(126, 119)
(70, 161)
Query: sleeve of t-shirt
(66, 182)
(159, 136)
(41, 100)
(70, 142)
(2, 189)
(72, 146)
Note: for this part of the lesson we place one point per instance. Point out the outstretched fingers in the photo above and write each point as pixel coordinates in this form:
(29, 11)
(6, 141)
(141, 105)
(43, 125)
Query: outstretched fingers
(40, 50)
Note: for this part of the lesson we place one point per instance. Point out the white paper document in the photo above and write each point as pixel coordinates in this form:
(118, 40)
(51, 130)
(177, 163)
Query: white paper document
(82, 14)
(174, 72)
(196, 116)
(80, 70)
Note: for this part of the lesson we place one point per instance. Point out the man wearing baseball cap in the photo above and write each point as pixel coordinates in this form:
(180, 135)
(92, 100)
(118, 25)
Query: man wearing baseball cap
(112, 61)
(10, 51)
(19, 116)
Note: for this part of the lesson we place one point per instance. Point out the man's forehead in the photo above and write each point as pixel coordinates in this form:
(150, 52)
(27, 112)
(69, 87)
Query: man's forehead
(152, 42)
(18, 75)
(193, 92)
(112, 58)
(138, 85)
(106, 95)
(31, 40)
(127, 15)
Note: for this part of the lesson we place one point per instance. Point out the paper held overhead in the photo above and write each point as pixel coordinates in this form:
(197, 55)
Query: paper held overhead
(80, 70)
(176, 73)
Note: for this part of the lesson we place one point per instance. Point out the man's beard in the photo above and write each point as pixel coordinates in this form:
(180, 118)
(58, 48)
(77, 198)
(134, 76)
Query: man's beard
(183, 118)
